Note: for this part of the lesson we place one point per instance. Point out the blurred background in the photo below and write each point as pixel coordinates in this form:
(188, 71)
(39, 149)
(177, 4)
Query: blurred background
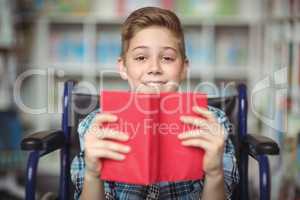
(45, 42)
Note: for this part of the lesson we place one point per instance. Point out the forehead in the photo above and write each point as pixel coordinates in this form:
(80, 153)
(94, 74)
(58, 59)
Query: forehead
(154, 36)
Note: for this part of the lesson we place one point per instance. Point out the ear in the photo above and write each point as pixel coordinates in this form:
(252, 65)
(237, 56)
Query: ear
(184, 70)
(122, 68)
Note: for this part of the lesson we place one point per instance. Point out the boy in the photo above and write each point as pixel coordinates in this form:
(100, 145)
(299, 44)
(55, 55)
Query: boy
(153, 59)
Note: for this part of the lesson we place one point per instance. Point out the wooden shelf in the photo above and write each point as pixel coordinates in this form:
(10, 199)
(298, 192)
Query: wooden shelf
(7, 48)
(91, 19)
(282, 18)
(237, 72)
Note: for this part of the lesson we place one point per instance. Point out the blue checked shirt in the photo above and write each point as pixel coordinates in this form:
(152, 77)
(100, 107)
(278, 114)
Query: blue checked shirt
(180, 190)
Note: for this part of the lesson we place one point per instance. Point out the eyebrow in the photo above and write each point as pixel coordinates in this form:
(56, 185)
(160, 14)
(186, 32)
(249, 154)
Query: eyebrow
(140, 47)
(172, 48)
(146, 47)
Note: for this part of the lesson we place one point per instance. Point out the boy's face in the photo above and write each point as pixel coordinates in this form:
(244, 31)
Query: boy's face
(153, 62)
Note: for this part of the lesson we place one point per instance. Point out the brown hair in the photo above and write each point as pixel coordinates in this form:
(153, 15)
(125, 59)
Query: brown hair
(151, 16)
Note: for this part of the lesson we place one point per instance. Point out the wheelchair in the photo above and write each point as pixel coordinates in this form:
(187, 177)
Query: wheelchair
(78, 105)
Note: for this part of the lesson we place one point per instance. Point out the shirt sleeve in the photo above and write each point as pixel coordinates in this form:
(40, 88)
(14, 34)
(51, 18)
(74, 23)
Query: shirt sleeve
(231, 174)
(78, 164)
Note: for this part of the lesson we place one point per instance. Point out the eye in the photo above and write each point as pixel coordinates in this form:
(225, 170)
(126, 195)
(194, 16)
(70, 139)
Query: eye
(168, 58)
(140, 58)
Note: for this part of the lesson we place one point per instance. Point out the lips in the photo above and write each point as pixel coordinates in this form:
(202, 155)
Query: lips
(155, 83)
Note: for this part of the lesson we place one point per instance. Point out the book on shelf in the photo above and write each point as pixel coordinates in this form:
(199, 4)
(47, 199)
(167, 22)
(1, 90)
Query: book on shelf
(67, 46)
(107, 9)
(152, 122)
(284, 9)
(122, 8)
(74, 7)
(232, 48)
(6, 24)
(108, 47)
(282, 52)
(206, 9)
(297, 61)
(199, 48)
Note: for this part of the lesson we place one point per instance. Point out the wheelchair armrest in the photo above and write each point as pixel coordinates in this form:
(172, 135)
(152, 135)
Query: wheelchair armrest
(45, 141)
(259, 145)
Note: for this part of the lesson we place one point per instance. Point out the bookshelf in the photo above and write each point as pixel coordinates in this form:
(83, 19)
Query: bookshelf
(281, 61)
(7, 55)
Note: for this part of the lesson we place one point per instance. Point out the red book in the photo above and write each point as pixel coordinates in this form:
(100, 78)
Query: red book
(152, 122)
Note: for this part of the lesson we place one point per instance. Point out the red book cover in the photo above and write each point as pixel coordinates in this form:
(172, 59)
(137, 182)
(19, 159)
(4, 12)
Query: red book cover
(152, 122)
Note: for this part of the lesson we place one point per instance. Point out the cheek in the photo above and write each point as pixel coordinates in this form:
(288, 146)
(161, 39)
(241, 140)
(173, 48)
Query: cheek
(134, 72)
(175, 71)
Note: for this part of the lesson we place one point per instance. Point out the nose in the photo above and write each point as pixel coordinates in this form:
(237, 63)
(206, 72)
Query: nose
(155, 68)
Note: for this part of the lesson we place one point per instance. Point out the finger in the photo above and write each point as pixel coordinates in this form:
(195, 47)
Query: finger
(195, 121)
(194, 134)
(201, 134)
(113, 146)
(111, 134)
(213, 139)
(106, 153)
(214, 127)
(99, 120)
(204, 112)
(105, 117)
(217, 129)
(197, 143)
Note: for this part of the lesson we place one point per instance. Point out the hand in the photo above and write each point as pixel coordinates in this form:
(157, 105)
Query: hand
(210, 137)
(98, 146)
